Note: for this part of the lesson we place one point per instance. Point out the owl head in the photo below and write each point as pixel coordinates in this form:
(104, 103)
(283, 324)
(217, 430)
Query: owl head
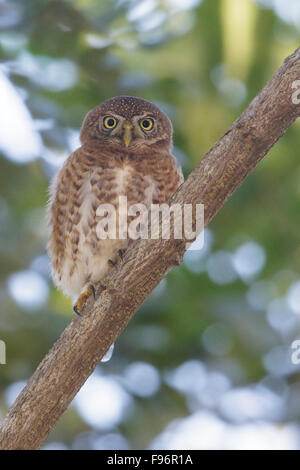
(128, 122)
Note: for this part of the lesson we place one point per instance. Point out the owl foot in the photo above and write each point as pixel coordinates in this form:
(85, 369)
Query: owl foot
(112, 263)
(83, 298)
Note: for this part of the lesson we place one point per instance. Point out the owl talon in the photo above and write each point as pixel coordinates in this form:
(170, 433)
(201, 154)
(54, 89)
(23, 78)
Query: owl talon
(83, 298)
(114, 263)
(93, 290)
(76, 310)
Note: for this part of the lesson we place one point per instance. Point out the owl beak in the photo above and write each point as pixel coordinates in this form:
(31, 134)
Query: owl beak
(127, 136)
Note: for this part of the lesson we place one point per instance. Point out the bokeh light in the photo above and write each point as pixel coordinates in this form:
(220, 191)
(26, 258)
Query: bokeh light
(102, 402)
(28, 289)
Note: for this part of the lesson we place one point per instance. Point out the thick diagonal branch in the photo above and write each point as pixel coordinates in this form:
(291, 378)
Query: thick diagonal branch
(82, 344)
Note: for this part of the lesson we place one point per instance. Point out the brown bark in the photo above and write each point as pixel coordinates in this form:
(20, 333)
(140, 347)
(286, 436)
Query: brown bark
(82, 344)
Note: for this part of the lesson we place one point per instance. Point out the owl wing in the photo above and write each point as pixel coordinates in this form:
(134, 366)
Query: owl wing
(82, 184)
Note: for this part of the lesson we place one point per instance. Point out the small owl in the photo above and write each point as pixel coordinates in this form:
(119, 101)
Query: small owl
(125, 151)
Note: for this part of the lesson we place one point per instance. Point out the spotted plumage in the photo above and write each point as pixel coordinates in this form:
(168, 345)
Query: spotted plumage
(126, 151)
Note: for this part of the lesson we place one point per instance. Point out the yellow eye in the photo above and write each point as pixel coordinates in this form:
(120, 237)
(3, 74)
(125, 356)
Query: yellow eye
(146, 124)
(110, 122)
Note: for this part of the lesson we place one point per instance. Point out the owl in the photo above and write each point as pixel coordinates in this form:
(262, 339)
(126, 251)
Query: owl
(126, 151)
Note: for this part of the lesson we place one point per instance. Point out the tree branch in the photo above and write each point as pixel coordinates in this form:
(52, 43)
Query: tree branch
(84, 342)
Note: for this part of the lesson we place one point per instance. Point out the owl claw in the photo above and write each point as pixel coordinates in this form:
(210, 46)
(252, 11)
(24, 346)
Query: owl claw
(114, 263)
(76, 310)
(93, 290)
(83, 298)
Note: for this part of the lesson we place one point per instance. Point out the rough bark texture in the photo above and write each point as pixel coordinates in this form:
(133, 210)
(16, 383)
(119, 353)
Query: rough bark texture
(83, 343)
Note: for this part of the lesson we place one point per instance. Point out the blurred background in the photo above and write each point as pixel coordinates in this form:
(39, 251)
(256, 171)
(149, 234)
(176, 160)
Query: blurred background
(206, 362)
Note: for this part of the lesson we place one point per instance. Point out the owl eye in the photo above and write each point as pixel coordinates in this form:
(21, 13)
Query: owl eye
(109, 122)
(146, 124)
